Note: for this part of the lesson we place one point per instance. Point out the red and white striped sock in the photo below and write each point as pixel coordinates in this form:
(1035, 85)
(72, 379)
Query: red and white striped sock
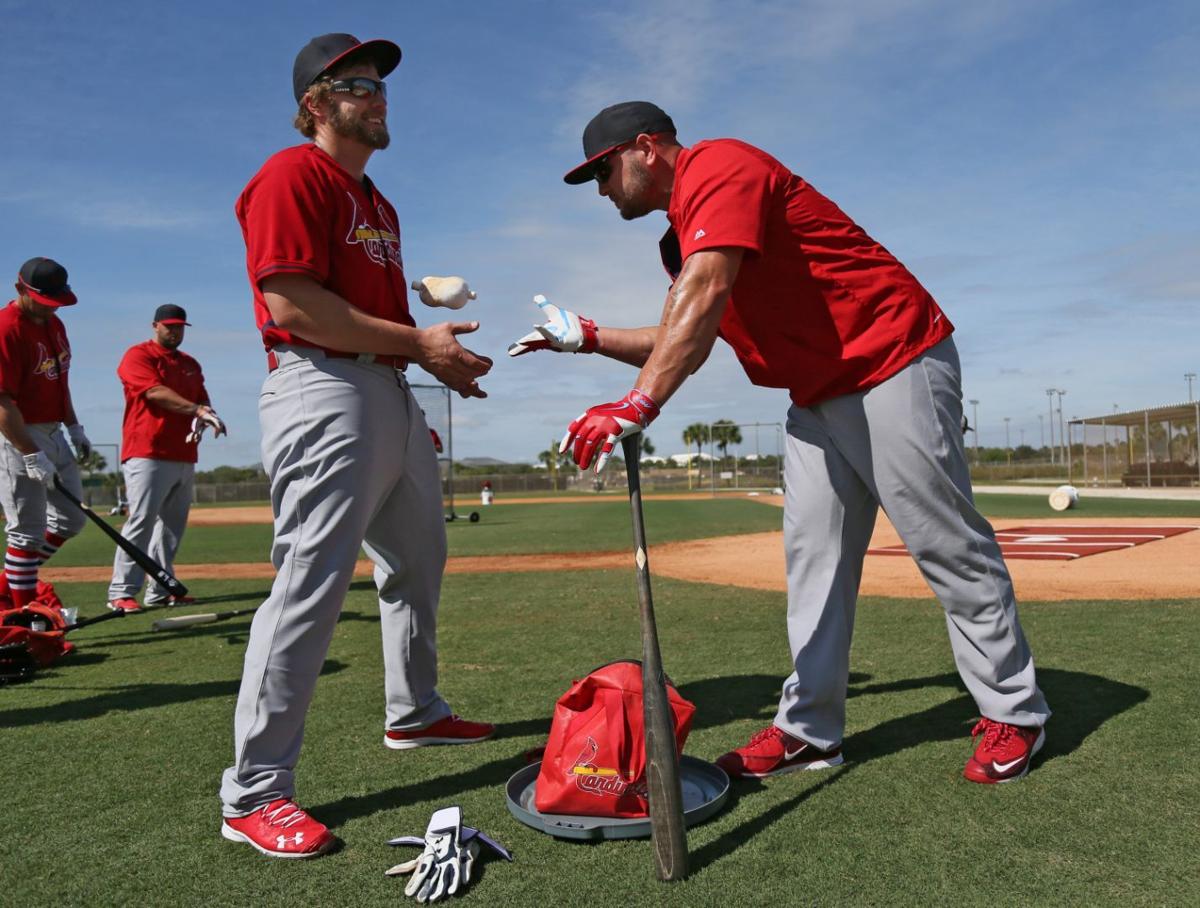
(21, 570)
(51, 544)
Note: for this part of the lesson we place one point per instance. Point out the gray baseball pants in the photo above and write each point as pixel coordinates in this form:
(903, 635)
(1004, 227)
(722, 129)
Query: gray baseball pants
(351, 462)
(899, 446)
(31, 508)
(159, 493)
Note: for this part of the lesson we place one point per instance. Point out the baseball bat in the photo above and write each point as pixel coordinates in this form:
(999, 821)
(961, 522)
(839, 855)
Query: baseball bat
(164, 577)
(667, 831)
(84, 622)
(170, 624)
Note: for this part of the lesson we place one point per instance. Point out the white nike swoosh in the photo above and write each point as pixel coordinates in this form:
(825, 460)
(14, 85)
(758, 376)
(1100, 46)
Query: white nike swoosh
(1005, 767)
(792, 754)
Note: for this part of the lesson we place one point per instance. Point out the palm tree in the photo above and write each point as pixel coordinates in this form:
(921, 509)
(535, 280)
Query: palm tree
(647, 446)
(554, 462)
(725, 433)
(696, 434)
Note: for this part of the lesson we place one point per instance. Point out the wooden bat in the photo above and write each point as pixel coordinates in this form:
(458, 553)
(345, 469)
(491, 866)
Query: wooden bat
(165, 579)
(169, 624)
(667, 831)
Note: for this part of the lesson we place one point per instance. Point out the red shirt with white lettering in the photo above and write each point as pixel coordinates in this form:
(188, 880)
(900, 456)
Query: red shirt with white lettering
(150, 430)
(303, 214)
(34, 362)
(818, 306)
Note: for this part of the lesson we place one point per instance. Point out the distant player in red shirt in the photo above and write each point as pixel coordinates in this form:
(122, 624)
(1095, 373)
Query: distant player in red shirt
(349, 455)
(166, 411)
(35, 403)
(811, 304)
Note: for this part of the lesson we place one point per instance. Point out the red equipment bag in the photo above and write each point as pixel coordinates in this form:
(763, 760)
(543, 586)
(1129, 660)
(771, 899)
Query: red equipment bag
(595, 760)
(39, 626)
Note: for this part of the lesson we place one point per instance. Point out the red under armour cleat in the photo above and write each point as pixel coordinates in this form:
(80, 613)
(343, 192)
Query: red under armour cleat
(1004, 753)
(450, 730)
(279, 829)
(772, 752)
(124, 605)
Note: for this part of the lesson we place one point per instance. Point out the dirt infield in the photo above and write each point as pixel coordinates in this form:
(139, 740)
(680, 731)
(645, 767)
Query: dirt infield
(1165, 569)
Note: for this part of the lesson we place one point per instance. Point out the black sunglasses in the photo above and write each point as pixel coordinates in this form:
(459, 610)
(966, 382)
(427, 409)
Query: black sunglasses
(361, 87)
(602, 169)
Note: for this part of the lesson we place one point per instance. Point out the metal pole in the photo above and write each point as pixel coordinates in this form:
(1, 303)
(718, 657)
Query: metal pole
(1062, 431)
(1104, 449)
(1146, 414)
(1190, 376)
(975, 418)
(450, 448)
(1007, 446)
(1084, 430)
(1198, 444)
(1050, 404)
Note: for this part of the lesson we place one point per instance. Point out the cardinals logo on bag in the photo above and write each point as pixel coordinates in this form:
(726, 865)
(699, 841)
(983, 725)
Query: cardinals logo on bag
(381, 244)
(600, 780)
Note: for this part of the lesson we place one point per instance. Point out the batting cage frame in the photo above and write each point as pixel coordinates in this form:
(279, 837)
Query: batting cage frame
(436, 404)
(724, 434)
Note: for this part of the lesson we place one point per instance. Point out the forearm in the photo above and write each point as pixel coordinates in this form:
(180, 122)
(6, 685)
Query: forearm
(12, 425)
(632, 346)
(162, 396)
(305, 308)
(691, 318)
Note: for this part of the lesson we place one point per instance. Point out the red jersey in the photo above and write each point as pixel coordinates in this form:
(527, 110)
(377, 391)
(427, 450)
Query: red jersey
(34, 361)
(150, 430)
(818, 306)
(303, 214)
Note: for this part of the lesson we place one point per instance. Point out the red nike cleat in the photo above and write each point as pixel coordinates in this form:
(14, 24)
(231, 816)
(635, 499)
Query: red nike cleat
(772, 752)
(279, 829)
(1004, 753)
(450, 730)
(124, 605)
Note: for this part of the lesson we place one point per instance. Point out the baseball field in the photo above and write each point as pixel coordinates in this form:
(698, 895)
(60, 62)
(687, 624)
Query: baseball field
(115, 754)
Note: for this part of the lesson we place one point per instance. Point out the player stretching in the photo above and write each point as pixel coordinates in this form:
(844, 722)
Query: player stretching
(35, 402)
(344, 442)
(812, 304)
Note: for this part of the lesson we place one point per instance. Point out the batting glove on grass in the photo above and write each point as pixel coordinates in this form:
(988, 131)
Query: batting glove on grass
(79, 440)
(444, 867)
(603, 426)
(39, 467)
(563, 331)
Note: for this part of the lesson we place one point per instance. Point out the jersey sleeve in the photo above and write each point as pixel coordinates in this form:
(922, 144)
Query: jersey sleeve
(287, 225)
(138, 372)
(11, 363)
(725, 197)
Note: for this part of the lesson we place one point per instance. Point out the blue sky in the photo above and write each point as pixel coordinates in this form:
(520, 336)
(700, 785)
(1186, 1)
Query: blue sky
(1034, 163)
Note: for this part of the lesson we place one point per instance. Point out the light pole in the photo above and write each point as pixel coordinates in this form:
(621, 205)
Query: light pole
(1007, 446)
(1050, 404)
(975, 421)
(1062, 428)
(1190, 376)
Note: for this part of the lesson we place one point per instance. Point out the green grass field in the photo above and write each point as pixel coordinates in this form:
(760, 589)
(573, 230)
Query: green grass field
(120, 748)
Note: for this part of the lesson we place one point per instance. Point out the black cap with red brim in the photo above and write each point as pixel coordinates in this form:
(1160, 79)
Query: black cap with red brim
(324, 52)
(615, 126)
(45, 281)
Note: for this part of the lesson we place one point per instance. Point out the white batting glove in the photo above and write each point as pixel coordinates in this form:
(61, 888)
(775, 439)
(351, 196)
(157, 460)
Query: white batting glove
(79, 440)
(431, 878)
(206, 418)
(39, 467)
(563, 331)
(443, 292)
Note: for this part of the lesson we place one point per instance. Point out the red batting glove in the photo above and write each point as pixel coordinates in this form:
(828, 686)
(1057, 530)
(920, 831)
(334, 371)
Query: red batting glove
(603, 426)
(437, 440)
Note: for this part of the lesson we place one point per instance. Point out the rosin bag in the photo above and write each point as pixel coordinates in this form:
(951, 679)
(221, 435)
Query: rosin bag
(595, 760)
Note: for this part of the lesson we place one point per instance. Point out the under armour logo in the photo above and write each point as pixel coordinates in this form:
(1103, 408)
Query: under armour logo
(282, 840)
(699, 233)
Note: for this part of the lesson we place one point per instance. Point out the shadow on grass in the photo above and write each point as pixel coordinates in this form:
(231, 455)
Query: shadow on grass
(129, 698)
(722, 700)
(1087, 702)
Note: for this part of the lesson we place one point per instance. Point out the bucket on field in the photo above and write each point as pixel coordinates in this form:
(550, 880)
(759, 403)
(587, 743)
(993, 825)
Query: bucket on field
(1064, 498)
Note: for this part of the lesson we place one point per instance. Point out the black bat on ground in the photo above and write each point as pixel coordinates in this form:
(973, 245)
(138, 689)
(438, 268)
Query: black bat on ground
(164, 577)
(96, 619)
(667, 831)
(168, 624)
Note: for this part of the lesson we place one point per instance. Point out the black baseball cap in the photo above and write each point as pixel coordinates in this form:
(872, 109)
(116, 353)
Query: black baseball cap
(45, 281)
(324, 52)
(615, 126)
(170, 314)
